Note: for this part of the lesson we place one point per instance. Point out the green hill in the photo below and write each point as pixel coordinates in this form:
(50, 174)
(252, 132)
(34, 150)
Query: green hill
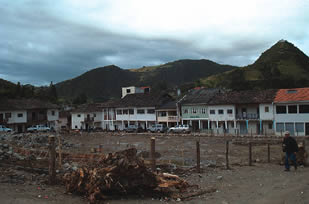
(281, 66)
(105, 82)
(6, 88)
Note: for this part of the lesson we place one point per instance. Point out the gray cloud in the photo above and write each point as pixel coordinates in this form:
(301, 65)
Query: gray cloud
(39, 45)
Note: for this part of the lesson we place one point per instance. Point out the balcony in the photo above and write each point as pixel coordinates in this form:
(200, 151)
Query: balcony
(247, 116)
(167, 119)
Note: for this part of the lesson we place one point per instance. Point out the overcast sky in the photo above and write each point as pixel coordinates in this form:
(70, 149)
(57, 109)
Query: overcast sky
(48, 40)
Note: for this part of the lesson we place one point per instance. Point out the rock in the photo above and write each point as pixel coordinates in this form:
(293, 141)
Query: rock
(219, 177)
(66, 165)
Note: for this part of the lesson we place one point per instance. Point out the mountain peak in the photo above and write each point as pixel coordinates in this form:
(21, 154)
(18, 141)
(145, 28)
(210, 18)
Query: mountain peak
(282, 50)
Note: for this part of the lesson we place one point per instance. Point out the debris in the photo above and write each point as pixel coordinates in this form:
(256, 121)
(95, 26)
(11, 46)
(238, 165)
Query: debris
(219, 177)
(120, 173)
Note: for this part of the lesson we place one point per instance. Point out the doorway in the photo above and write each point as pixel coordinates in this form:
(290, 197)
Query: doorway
(307, 129)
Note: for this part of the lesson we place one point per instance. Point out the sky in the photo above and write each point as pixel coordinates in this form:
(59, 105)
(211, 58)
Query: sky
(47, 40)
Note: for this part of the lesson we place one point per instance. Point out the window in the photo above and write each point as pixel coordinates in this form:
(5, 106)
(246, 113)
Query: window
(291, 91)
(303, 108)
(125, 112)
(119, 112)
(194, 110)
(280, 109)
(185, 111)
(78, 115)
(212, 112)
(53, 112)
(229, 111)
(162, 114)
(150, 111)
(203, 110)
(131, 111)
(20, 115)
(266, 109)
(292, 109)
(128, 90)
(220, 111)
(8, 115)
(140, 111)
(279, 127)
(299, 127)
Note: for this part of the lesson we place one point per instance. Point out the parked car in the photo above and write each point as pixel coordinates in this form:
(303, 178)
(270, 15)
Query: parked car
(5, 129)
(134, 128)
(157, 128)
(38, 128)
(180, 129)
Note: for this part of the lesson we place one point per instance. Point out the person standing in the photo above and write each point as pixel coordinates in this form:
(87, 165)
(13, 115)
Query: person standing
(290, 148)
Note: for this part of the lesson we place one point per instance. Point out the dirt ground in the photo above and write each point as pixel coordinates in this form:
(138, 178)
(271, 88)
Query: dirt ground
(261, 183)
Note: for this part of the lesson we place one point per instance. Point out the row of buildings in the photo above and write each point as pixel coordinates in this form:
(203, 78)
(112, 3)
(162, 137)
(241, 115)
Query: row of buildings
(215, 110)
(205, 110)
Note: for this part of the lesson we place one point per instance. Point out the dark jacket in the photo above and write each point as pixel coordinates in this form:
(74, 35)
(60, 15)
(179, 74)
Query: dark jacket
(289, 145)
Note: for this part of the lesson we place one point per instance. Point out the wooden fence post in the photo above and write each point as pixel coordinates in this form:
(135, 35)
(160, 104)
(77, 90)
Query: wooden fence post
(227, 154)
(60, 151)
(198, 157)
(250, 154)
(52, 160)
(152, 153)
(268, 153)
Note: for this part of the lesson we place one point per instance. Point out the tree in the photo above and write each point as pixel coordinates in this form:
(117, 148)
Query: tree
(53, 92)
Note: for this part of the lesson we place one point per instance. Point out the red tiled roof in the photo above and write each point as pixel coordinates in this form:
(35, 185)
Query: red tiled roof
(297, 94)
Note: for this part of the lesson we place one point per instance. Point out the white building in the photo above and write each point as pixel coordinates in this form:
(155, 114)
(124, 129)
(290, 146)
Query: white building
(134, 90)
(291, 111)
(234, 112)
(87, 117)
(20, 114)
(139, 109)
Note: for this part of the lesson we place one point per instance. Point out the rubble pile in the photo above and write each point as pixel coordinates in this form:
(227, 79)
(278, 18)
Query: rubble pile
(6, 152)
(31, 140)
(120, 173)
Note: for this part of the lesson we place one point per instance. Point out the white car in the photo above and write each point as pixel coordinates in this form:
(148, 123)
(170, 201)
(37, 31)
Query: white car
(5, 129)
(38, 128)
(180, 129)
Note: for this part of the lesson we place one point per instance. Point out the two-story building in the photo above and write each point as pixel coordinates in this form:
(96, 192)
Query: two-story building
(20, 114)
(167, 114)
(238, 112)
(86, 117)
(139, 109)
(194, 108)
(291, 111)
